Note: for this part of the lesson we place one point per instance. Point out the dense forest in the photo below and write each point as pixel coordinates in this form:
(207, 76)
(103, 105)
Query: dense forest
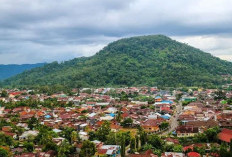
(154, 60)
(10, 70)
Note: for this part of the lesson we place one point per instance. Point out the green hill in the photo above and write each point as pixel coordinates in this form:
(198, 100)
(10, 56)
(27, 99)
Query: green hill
(136, 61)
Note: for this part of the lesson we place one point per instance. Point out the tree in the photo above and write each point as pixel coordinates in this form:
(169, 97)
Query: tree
(219, 95)
(64, 149)
(3, 152)
(142, 136)
(6, 140)
(178, 148)
(155, 141)
(127, 122)
(29, 146)
(4, 94)
(88, 149)
(119, 116)
(92, 136)
(50, 145)
(147, 147)
(74, 137)
(32, 123)
(103, 131)
(67, 132)
(211, 134)
(164, 125)
(133, 145)
(123, 147)
(223, 150)
(123, 96)
(229, 101)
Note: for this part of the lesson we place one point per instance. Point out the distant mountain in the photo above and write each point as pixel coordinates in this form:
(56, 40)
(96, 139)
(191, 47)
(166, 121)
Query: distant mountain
(10, 70)
(137, 61)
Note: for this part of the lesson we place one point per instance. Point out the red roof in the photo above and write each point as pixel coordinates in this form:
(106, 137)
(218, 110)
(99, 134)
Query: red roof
(193, 154)
(225, 135)
(16, 93)
(102, 151)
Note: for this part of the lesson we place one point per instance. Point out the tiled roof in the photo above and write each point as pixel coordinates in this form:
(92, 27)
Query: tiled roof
(225, 135)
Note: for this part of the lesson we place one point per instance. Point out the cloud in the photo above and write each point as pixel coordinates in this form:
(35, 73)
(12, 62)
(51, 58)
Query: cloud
(39, 30)
(218, 45)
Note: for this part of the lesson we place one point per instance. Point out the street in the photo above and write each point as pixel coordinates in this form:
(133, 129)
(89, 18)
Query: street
(173, 121)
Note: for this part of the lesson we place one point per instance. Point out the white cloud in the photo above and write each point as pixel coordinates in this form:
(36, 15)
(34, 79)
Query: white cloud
(220, 46)
(47, 30)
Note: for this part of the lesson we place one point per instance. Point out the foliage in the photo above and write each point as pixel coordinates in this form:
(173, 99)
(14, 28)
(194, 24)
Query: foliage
(229, 101)
(64, 149)
(177, 148)
(127, 122)
(3, 152)
(115, 138)
(32, 123)
(164, 125)
(133, 145)
(145, 60)
(143, 136)
(103, 131)
(219, 95)
(5, 140)
(123, 147)
(29, 146)
(155, 141)
(66, 132)
(185, 103)
(88, 149)
(4, 94)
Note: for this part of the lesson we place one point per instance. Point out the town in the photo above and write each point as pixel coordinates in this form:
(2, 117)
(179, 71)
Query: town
(114, 122)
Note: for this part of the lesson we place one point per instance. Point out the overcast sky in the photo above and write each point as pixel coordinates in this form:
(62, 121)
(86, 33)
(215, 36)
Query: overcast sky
(33, 31)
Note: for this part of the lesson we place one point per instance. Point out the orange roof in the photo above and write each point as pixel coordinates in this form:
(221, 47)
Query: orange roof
(193, 154)
(225, 135)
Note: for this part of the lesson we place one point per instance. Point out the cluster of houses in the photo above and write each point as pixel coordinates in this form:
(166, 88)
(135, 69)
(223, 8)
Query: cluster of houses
(90, 109)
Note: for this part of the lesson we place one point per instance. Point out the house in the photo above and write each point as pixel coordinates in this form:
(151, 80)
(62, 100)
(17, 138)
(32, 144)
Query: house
(193, 154)
(108, 150)
(171, 141)
(203, 125)
(151, 125)
(187, 131)
(172, 154)
(158, 99)
(26, 155)
(225, 135)
(83, 135)
(190, 99)
(58, 140)
(49, 153)
(6, 128)
(27, 134)
(148, 153)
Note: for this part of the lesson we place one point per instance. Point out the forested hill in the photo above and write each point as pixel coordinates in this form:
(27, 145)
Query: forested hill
(10, 70)
(146, 60)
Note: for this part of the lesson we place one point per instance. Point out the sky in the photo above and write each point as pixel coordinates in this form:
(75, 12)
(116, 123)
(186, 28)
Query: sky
(33, 31)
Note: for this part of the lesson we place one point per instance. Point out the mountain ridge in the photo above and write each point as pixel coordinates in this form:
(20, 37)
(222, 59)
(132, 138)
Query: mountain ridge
(136, 61)
(9, 70)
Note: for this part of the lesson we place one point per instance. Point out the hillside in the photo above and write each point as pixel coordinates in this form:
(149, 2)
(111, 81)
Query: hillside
(146, 60)
(10, 70)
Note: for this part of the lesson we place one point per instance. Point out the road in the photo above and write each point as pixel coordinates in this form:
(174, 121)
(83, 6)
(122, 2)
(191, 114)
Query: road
(173, 121)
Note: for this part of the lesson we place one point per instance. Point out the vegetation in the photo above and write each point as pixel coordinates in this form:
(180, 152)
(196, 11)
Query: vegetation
(7, 71)
(145, 60)
(88, 149)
